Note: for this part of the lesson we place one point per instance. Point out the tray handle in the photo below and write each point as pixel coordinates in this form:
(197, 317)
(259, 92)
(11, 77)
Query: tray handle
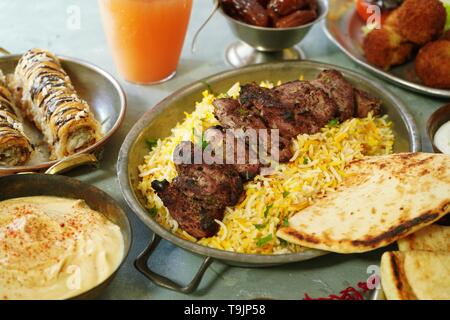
(141, 263)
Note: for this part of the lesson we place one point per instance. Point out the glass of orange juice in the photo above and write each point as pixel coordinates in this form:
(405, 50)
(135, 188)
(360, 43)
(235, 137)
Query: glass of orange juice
(146, 36)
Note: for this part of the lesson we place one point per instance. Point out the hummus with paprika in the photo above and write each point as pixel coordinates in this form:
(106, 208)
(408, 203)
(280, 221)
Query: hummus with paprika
(55, 248)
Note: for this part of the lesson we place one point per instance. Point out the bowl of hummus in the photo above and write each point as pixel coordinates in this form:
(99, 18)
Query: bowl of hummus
(61, 244)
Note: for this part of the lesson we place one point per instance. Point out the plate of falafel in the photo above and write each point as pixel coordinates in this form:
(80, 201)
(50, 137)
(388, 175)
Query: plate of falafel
(406, 42)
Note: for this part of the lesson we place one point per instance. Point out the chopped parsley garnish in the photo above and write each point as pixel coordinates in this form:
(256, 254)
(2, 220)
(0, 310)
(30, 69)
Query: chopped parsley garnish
(305, 160)
(204, 142)
(263, 241)
(333, 122)
(285, 222)
(152, 211)
(285, 194)
(260, 226)
(151, 143)
(267, 209)
(208, 87)
(242, 112)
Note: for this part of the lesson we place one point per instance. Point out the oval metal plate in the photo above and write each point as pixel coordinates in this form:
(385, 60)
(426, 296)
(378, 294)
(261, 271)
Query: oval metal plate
(344, 28)
(102, 92)
(158, 122)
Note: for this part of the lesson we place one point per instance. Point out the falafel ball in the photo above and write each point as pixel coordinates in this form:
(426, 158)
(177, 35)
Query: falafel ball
(386, 48)
(433, 64)
(421, 21)
(392, 20)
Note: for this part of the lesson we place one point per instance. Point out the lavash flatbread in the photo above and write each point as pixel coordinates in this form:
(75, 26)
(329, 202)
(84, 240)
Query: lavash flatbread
(411, 275)
(381, 200)
(430, 238)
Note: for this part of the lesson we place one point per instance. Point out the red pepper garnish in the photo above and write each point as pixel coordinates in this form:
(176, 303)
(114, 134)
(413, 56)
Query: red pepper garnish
(349, 293)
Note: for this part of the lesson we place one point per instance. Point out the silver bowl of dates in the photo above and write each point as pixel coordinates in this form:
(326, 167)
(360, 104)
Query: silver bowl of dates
(269, 29)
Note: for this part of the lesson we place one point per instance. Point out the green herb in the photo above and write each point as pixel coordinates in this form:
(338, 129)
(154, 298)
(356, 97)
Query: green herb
(263, 241)
(204, 143)
(260, 226)
(333, 122)
(208, 87)
(305, 160)
(285, 222)
(282, 242)
(152, 211)
(242, 112)
(446, 4)
(151, 143)
(266, 210)
(285, 194)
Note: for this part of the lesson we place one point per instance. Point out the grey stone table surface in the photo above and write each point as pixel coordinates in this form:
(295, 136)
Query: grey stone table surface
(47, 23)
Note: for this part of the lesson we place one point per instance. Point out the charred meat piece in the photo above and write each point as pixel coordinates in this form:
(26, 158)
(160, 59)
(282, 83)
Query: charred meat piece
(366, 103)
(295, 19)
(254, 110)
(284, 108)
(192, 215)
(311, 106)
(207, 181)
(232, 114)
(248, 165)
(248, 11)
(292, 108)
(253, 95)
(338, 89)
(285, 7)
(275, 114)
(284, 119)
(216, 186)
(200, 193)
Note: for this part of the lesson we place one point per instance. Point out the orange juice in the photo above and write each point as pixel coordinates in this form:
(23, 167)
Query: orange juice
(146, 36)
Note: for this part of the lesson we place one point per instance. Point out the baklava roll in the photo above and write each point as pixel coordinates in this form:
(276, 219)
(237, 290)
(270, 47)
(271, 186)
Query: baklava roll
(47, 97)
(15, 147)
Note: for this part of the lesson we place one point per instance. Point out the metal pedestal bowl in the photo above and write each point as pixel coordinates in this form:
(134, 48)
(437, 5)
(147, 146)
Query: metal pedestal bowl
(260, 44)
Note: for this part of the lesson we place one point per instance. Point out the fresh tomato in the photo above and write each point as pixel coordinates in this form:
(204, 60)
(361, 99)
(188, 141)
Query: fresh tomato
(361, 8)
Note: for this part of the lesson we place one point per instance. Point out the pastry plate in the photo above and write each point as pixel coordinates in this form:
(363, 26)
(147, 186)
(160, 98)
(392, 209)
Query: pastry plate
(101, 91)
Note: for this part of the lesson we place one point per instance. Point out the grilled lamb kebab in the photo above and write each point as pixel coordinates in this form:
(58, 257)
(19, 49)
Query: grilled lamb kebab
(199, 194)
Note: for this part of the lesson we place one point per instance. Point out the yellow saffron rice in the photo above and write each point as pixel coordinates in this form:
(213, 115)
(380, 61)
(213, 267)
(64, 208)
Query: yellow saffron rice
(316, 167)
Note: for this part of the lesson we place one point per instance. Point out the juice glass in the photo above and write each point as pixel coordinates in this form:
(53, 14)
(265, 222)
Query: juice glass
(146, 36)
